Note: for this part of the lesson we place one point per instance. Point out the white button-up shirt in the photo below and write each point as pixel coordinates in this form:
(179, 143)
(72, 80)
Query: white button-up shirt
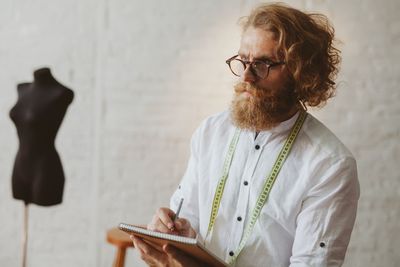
(310, 212)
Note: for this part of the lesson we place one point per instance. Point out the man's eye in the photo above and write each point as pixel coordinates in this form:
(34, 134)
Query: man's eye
(262, 63)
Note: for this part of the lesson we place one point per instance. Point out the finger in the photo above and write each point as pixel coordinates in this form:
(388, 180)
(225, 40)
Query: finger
(178, 255)
(166, 216)
(184, 228)
(141, 252)
(182, 224)
(152, 225)
(159, 226)
(148, 252)
(141, 245)
(132, 237)
(147, 259)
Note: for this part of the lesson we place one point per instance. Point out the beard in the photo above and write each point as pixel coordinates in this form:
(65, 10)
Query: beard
(264, 109)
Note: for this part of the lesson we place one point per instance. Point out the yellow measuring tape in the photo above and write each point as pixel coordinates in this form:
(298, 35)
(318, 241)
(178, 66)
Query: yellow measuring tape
(262, 198)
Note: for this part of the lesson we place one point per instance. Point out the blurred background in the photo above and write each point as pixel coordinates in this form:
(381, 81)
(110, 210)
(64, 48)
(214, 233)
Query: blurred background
(145, 74)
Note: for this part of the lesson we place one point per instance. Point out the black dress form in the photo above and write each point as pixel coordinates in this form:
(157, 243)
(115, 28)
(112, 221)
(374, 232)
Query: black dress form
(38, 176)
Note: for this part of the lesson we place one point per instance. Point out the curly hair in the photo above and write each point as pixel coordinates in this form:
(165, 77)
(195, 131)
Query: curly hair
(305, 43)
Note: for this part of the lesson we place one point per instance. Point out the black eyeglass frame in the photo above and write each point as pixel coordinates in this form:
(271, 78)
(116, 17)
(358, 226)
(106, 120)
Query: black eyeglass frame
(246, 62)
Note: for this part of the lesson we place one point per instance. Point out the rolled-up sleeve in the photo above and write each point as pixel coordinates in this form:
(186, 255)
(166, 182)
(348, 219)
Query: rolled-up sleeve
(326, 219)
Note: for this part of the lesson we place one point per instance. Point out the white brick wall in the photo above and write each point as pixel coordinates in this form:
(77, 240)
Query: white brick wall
(145, 73)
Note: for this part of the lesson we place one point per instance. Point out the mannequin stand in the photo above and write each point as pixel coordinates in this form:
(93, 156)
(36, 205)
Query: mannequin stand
(25, 236)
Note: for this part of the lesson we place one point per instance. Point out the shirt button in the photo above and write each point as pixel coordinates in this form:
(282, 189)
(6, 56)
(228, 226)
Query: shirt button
(239, 218)
(231, 253)
(245, 183)
(257, 147)
(322, 244)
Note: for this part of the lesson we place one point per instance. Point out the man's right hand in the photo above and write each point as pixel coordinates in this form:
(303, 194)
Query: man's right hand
(163, 222)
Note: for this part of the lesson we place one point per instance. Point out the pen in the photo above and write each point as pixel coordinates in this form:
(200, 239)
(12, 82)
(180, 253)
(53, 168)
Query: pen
(178, 210)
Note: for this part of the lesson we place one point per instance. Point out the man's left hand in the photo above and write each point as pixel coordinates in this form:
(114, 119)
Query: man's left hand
(169, 257)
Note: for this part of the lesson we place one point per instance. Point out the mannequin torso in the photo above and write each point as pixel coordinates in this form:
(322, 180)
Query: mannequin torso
(38, 175)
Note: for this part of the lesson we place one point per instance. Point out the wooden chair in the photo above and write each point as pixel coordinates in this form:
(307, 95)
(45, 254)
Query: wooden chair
(122, 241)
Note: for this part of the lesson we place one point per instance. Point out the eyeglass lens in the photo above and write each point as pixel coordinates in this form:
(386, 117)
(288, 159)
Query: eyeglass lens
(238, 67)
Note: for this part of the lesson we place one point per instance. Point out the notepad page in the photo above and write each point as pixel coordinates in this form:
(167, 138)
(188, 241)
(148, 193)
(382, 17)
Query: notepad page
(181, 239)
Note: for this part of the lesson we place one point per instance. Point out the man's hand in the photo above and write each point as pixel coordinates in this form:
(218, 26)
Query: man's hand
(169, 257)
(163, 222)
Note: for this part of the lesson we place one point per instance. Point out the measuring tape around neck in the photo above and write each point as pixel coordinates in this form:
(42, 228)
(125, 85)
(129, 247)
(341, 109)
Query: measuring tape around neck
(222, 181)
(262, 198)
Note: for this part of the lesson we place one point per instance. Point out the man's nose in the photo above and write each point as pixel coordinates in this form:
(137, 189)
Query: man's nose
(248, 75)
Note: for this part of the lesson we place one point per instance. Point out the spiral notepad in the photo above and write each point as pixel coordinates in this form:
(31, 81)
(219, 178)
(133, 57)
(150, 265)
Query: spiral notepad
(139, 230)
(189, 245)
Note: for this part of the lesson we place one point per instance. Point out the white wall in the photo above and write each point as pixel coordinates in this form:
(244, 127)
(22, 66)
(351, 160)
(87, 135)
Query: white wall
(145, 73)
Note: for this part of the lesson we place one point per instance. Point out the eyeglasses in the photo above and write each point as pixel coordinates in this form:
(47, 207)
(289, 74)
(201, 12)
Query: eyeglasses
(259, 68)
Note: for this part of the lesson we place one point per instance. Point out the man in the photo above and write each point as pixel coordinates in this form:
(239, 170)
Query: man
(268, 144)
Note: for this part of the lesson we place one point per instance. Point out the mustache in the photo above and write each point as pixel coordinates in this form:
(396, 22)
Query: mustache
(241, 87)
(253, 89)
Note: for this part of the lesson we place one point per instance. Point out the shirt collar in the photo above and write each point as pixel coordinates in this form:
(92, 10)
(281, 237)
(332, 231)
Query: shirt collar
(282, 127)
(285, 125)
